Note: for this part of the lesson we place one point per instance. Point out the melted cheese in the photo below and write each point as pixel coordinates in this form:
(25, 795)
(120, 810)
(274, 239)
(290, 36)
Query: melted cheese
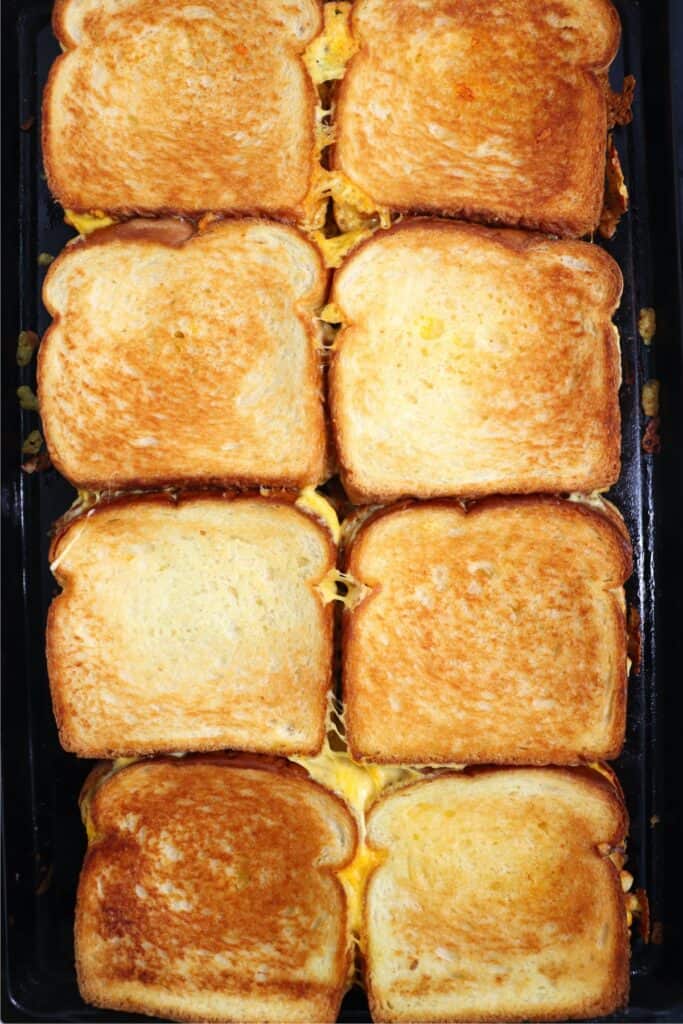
(602, 769)
(334, 250)
(356, 204)
(331, 314)
(328, 590)
(355, 879)
(86, 223)
(319, 507)
(329, 53)
(355, 211)
(315, 204)
(359, 785)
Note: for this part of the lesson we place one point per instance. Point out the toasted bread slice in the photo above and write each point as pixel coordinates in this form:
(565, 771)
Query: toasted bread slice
(497, 899)
(191, 625)
(493, 113)
(209, 892)
(473, 361)
(178, 357)
(495, 634)
(182, 108)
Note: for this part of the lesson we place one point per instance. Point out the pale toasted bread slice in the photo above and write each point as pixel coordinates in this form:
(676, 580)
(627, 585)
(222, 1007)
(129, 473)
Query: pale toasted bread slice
(489, 113)
(178, 357)
(182, 108)
(472, 361)
(191, 625)
(495, 634)
(209, 892)
(497, 899)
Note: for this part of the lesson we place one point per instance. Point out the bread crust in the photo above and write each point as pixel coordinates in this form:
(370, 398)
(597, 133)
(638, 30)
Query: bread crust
(605, 470)
(616, 990)
(586, 208)
(67, 193)
(59, 674)
(289, 1000)
(176, 234)
(605, 510)
(611, 526)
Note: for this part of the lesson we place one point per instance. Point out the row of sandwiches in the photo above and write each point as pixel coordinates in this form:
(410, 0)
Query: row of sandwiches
(354, 735)
(488, 633)
(489, 114)
(183, 357)
(221, 887)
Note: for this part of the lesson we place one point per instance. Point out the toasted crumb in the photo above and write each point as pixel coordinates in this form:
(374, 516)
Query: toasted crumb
(647, 324)
(650, 398)
(27, 343)
(27, 399)
(33, 443)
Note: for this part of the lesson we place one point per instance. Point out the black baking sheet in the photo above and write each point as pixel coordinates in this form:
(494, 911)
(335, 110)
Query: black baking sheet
(43, 840)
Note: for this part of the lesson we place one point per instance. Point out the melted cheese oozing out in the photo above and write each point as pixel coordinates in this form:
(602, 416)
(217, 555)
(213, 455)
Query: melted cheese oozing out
(359, 785)
(86, 223)
(355, 591)
(331, 314)
(319, 507)
(336, 249)
(355, 878)
(327, 588)
(345, 193)
(327, 56)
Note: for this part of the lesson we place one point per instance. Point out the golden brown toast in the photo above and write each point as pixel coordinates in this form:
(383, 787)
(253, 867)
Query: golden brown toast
(182, 108)
(491, 111)
(179, 357)
(191, 624)
(492, 634)
(209, 892)
(496, 898)
(474, 361)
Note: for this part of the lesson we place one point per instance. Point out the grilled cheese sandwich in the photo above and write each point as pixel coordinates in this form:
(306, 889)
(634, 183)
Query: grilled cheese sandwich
(446, 941)
(227, 125)
(223, 868)
(424, 124)
(419, 842)
(211, 345)
(496, 371)
(497, 630)
(191, 622)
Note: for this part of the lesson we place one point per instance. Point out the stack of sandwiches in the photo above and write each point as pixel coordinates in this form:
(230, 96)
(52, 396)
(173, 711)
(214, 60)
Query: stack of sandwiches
(341, 599)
